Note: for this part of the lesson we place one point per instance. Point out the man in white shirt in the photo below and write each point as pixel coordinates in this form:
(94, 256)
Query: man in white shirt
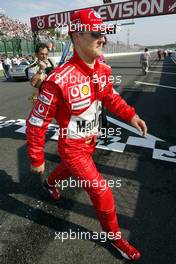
(6, 66)
(145, 61)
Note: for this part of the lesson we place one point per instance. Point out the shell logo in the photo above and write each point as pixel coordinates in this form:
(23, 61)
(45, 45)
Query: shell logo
(85, 90)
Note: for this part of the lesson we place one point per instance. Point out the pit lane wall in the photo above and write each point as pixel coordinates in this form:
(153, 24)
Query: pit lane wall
(56, 60)
(111, 55)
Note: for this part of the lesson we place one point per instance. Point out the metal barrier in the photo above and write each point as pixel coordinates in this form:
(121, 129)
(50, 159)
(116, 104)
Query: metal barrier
(17, 46)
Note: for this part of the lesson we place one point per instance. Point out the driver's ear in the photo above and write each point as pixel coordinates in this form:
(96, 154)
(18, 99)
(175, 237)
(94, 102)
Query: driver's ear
(75, 37)
(78, 35)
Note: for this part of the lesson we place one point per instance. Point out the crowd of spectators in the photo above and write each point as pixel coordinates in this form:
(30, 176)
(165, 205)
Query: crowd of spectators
(11, 28)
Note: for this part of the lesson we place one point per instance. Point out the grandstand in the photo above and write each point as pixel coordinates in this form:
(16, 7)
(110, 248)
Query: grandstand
(16, 38)
(10, 28)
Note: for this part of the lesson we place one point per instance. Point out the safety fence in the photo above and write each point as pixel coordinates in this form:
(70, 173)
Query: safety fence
(16, 46)
(21, 47)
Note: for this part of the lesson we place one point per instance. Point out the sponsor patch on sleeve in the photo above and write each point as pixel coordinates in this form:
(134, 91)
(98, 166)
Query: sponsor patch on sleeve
(41, 109)
(46, 97)
(36, 121)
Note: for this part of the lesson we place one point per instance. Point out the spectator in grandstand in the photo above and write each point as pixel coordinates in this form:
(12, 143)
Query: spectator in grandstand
(145, 61)
(11, 28)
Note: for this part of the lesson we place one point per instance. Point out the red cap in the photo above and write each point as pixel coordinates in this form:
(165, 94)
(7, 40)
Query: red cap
(86, 20)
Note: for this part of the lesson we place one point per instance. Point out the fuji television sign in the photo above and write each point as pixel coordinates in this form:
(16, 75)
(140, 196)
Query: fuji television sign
(110, 12)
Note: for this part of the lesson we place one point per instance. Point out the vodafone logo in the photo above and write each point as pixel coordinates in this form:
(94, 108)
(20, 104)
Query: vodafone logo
(41, 109)
(75, 92)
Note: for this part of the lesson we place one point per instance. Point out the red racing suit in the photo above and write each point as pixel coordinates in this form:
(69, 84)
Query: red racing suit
(73, 94)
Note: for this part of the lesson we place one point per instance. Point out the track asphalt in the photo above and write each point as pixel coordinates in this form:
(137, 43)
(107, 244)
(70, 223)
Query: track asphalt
(30, 223)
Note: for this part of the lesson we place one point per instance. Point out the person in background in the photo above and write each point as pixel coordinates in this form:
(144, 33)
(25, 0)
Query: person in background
(159, 53)
(15, 61)
(6, 64)
(145, 59)
(39, 69)
(164, 53)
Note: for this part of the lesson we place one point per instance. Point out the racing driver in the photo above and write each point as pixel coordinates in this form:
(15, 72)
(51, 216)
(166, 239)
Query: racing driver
(73, 94)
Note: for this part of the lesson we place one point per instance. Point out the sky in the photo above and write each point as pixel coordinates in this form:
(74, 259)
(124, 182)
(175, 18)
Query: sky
(146, 31)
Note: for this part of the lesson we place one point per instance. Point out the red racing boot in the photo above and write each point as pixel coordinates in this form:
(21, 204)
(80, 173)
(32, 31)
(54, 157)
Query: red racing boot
(52, 190)
(126, 250)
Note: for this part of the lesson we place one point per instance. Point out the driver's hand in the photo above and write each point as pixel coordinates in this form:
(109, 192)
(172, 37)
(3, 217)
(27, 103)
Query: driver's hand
(139, 124)
(38, 170)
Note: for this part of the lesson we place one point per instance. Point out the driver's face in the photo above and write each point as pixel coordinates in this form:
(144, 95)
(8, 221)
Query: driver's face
(91, 45)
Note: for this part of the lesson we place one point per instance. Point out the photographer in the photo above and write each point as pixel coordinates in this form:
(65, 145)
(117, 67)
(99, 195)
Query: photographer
(37, 71)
